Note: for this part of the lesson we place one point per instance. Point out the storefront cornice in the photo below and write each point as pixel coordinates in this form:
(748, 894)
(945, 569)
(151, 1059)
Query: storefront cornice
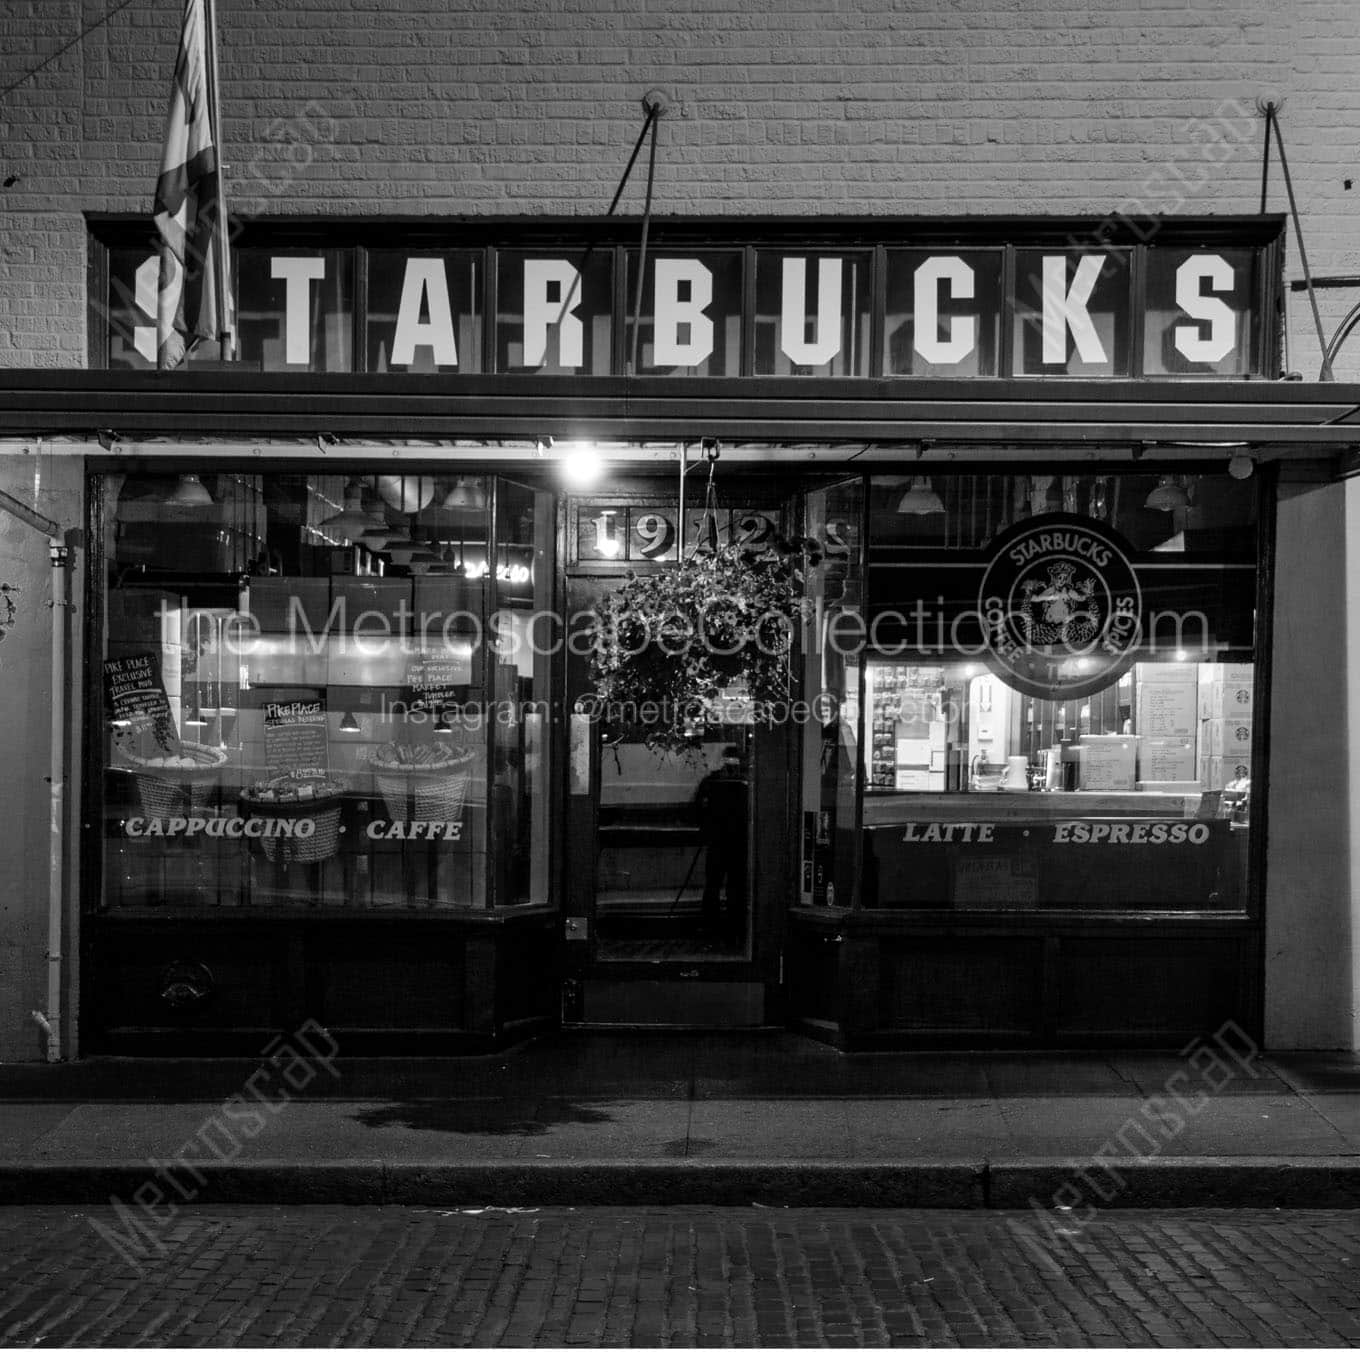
(1287, 417)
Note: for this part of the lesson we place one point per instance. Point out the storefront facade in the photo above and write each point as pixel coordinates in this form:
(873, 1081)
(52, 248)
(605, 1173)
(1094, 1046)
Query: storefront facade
(339, 748)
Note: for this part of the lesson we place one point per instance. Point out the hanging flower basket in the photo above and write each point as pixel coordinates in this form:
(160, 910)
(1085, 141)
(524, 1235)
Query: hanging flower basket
(670, 643)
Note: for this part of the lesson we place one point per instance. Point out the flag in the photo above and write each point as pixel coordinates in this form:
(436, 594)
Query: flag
(187, 206)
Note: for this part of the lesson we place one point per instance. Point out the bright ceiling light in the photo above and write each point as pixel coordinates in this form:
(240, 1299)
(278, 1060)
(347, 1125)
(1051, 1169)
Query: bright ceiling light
(580, 465)
(921, 499)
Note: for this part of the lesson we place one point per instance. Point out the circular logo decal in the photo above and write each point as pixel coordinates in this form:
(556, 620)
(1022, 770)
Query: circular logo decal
(1061, 606)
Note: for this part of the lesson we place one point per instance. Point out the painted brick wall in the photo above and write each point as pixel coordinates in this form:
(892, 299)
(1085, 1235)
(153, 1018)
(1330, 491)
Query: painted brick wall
(495, 106)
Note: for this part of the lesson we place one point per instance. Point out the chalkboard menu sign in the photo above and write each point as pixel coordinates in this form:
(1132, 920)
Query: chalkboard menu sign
(137, 705)
(434, 682)
(295, 738)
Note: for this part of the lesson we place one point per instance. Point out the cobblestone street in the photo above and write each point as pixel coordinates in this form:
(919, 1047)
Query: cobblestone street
(321, 1276)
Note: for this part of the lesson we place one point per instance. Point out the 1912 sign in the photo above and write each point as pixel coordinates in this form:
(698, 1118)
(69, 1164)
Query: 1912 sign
(650, 533)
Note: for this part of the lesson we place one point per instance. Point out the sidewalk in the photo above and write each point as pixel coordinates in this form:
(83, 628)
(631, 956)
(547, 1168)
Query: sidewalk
(723, 1119)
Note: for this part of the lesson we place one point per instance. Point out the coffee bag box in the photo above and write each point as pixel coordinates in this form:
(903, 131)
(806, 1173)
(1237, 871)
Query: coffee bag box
(1162, 759)
(1223, 673)
(1166, 672)
(1217, 772)
(1166, 707)
(1106, 764)
(1225, 737)
(1226, 699)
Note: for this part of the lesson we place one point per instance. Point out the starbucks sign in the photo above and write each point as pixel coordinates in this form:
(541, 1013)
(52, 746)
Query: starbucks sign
(1061, 605)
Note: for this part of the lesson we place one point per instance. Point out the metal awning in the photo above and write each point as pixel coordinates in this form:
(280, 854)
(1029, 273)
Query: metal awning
(982, 418)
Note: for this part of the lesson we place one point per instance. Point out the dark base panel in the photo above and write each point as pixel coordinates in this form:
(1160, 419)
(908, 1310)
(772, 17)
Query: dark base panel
(222, 988)
(1140, 986)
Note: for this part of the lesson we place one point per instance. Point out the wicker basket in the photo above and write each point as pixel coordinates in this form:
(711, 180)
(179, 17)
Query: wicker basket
(177, 792)
(321, 844)
(415, 793)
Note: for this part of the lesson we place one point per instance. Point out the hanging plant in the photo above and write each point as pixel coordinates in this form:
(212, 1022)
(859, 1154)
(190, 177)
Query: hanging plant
(669, 644)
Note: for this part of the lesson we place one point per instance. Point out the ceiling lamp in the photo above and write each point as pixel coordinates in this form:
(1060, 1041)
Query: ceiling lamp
(1168, 495)
(468, 494)
(349, 723)
(1241, 465)
(580, 465)
(406, 494)
(189, 491)
(351, 522)
(422, 559)
(400, 550)
(921, 499)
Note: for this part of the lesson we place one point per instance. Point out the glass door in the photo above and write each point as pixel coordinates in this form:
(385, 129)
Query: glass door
(670, 909)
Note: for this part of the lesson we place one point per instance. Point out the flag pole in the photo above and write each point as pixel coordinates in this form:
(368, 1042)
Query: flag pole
(221, 274)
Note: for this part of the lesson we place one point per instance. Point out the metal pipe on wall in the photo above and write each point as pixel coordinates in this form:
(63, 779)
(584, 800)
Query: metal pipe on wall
(59, 552)
(60, 558)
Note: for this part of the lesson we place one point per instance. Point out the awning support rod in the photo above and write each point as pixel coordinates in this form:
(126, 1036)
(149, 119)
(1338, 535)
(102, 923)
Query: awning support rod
(1273, 122)
(654, 104)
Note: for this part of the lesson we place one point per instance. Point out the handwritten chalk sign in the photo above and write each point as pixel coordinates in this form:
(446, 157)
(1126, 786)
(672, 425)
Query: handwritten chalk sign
(136, 702)
(295, 738)
(434, 682)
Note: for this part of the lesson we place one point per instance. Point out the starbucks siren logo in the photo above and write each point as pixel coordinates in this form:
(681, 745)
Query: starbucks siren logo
(1061, 606)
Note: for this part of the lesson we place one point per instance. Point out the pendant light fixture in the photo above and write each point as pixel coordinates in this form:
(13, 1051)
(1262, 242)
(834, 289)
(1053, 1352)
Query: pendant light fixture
(351, 522)
(921, 499)
(468, 493)
(189, 491)
(1168, 496)
(400, 550)
(349, 723)
(377, 533)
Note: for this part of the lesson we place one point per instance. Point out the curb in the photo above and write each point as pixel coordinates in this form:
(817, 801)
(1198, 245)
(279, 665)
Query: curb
(841, 1184)
(1176, 1183)
(1045, 1185)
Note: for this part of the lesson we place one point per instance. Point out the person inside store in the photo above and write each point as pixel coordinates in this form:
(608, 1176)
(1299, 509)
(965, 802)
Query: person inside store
(721, 799)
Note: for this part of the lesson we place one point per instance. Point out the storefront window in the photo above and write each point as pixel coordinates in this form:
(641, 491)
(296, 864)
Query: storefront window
(1058, 693)
(319, 694)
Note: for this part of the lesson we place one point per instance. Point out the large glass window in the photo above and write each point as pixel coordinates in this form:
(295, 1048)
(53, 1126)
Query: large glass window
(319, 693)
(1058, 692)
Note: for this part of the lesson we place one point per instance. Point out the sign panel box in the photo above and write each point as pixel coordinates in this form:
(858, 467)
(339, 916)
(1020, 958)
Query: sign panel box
(1106, 764)
(1162, 759)
(1225, 737)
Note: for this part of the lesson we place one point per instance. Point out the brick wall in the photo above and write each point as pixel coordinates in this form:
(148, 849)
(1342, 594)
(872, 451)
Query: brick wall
(799, 106)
